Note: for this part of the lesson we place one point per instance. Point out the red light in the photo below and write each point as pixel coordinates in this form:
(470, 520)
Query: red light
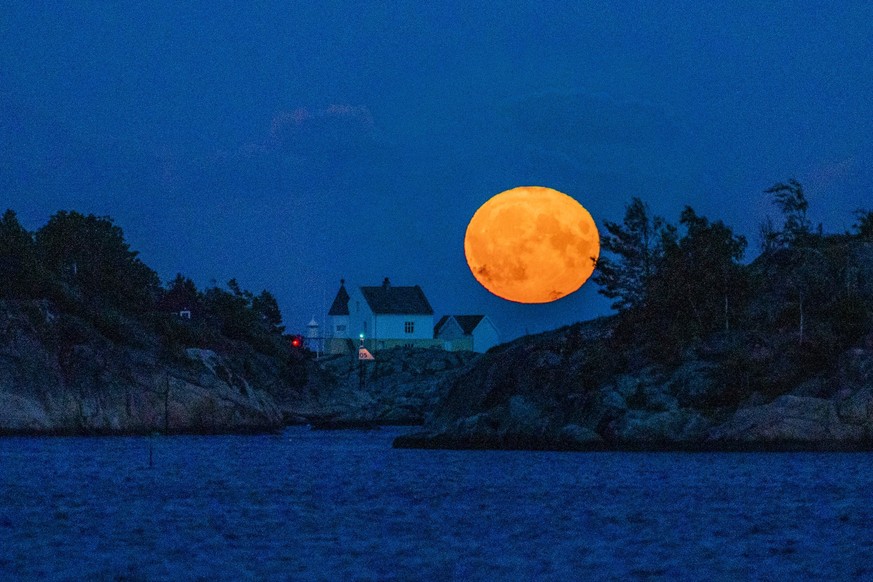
(296, 342)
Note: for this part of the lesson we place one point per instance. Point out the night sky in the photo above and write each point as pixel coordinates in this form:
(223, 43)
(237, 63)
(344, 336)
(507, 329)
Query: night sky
(290, 144)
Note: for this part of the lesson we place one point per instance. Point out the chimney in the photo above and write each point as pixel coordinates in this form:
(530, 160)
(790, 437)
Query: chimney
(386, 284)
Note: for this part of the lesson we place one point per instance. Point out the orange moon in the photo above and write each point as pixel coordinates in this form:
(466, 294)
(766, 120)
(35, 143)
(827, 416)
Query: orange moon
(532, 245)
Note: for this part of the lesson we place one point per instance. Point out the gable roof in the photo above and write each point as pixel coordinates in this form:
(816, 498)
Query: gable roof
(467, 323)
(340, 305)
(387, 299)
(439, 325)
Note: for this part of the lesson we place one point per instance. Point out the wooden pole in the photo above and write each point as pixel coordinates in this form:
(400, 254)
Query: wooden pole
(166, 403)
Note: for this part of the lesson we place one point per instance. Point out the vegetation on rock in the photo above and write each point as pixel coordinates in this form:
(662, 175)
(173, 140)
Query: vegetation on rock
(704, 350)
(77, 294)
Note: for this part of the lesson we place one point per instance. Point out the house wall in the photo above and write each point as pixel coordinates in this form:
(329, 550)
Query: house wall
(360, 315)
(339, 326)
(384, 344)
(378, 329)
(339, 346)
(394, 327)
(485, 336)
(461, 344)
(451, 330)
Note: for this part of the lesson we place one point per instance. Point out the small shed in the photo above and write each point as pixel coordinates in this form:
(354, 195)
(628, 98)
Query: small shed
(475, 333)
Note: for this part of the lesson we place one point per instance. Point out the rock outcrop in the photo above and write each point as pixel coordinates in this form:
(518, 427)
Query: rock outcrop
(531, 395)
(402, 386)
(57, 381)
(788, 364)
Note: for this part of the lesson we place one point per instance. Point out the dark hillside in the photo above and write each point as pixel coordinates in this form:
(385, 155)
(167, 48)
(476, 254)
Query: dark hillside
(774, 354)
(91, 342)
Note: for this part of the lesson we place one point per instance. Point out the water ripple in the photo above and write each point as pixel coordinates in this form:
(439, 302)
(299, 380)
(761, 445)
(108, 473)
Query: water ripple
(321, 505)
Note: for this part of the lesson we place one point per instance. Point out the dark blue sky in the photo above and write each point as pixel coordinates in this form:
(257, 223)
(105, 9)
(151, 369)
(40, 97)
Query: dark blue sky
(289, 144)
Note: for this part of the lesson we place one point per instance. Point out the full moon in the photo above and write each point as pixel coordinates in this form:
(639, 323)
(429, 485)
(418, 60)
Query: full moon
(532, 245)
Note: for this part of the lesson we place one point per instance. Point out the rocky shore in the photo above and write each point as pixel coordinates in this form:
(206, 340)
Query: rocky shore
(401, 387)
(58, 376)
(532, 395)
(790, 368)
(791, 377)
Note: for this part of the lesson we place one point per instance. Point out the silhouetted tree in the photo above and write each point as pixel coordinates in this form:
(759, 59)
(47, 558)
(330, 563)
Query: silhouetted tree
(791, 200)
(267, 308)
(864, 225)
(90, 253)
(698, 279)
(634, 246)
(769, 236)
(21, 275)
(230, 312)
(233, 285)
(181, 294)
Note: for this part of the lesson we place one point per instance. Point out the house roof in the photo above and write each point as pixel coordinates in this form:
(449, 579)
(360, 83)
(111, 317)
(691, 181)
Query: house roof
(390, 300)
(467, 323)
(340, 305)
(439, 325)
(385, 299)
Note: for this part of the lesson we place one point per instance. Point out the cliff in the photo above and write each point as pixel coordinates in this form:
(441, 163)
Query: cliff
(533, 395)
(60, 375)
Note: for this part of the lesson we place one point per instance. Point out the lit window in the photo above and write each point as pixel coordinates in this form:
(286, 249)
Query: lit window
(409, 326)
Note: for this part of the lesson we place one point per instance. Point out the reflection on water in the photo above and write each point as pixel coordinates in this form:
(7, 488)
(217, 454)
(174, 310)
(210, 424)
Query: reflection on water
(344, 505)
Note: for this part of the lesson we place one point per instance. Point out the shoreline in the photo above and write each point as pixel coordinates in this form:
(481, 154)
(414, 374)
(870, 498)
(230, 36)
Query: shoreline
(530, 444)
(48, 433)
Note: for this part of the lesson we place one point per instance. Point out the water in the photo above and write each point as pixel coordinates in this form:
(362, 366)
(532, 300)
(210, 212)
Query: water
(315, 505)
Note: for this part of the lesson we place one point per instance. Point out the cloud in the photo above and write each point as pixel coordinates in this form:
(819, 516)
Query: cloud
(336, 128)
(833, 174)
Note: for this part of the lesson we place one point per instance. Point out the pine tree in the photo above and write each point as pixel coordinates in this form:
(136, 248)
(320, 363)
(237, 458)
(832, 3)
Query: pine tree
(90, 253)
(635, 247)
(267, 308)
(699, 277)
(864, 226)
(20, 273)
(792, 202)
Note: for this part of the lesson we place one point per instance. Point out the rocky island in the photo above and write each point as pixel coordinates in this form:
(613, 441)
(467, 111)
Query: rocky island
(92, 344)
(705, 353)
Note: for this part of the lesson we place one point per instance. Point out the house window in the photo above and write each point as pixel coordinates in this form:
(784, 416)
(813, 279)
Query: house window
(409, 326)
(340, 328)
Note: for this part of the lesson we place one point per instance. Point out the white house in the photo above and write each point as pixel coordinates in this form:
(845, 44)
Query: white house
(476, 333)
(386, 316)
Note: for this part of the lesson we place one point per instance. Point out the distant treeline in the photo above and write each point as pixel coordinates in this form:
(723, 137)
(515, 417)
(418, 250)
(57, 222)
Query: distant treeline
(85, 267)
(674, 286)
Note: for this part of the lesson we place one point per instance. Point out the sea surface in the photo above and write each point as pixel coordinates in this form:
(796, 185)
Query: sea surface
(344, 505)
